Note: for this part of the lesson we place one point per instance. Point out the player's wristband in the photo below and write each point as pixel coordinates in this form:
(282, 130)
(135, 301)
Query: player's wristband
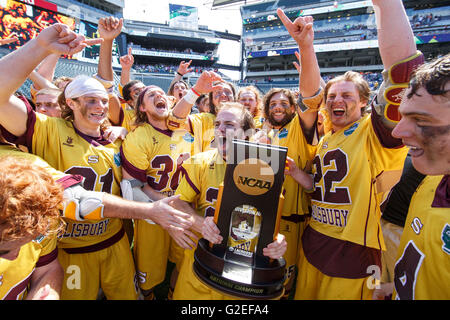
(310, 104)
(191, 96)
(106, 83)
(175, 123)
(395, 81)
(179, 74)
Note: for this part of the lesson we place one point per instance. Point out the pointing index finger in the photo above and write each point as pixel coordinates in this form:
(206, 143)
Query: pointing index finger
(286, 21)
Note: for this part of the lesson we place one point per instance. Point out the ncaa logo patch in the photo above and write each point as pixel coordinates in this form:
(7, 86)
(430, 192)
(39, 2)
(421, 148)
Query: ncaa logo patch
(445, 237)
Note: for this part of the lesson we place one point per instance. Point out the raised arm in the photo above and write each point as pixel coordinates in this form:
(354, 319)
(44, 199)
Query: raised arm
(126, 62)
(47, 69)
(108, 29)
(39, 82)
(182, 109)
(301, 30)
(57, 38)
(400, 57)
(183, 68)
(395, 36)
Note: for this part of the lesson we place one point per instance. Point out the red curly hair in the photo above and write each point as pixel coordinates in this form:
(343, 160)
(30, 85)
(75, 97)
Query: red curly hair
(29, 200)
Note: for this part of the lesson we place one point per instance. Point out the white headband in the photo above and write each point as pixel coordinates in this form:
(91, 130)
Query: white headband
(84, 86)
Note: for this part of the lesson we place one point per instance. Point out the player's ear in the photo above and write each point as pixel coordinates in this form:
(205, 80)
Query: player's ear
(142, 107)
(71, 103)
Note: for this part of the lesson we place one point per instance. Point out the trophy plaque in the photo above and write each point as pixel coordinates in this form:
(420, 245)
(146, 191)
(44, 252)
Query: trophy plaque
(248, 212)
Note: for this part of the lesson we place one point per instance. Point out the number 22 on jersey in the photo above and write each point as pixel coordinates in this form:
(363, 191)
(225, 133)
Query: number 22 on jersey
(331, 169)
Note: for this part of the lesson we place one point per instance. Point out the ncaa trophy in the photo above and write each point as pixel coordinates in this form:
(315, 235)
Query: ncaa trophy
(248, 213)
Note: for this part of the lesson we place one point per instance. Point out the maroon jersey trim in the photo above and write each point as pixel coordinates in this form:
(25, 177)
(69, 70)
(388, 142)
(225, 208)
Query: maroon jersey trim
(98, 246)
(185, 174)
(442, 195)
(336, 258)
(44, 260)
(95, 141)
(139, 174)
(384, 134)
(166, 132)
(70, 180)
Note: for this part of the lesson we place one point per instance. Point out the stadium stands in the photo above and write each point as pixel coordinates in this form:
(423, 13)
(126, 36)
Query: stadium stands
(345, 38)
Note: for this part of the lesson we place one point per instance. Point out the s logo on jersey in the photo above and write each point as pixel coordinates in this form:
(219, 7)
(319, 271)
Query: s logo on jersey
(92, 159)
(445, 237)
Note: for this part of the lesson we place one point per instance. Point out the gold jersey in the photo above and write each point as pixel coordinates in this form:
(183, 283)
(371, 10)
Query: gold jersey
(15, 275)
(127, 118)
(155, 156)
(296, 201)
(202, 128)
(62, 178)
(351, 169)
(66, 149)
(202, 176)
(422, 270)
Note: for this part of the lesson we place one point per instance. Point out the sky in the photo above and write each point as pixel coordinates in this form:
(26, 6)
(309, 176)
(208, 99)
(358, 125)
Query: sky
(216, 19)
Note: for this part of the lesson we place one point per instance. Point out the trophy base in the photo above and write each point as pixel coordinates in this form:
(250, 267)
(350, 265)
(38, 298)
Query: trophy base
(229, 276)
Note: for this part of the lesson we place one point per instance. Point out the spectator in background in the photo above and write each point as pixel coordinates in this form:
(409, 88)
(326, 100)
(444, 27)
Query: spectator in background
(202, 103)
(178, 89)
(251, 99)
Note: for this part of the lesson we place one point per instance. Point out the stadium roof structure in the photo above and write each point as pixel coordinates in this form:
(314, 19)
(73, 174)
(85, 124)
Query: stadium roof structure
(217, 3)
(220, 3)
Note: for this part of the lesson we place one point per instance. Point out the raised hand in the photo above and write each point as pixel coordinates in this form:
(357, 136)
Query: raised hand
(8, 40)
(301, 30)
(183, 68)
(109, 28)
(127, 60)
(58, 38)
(297, 64)
(205, 82)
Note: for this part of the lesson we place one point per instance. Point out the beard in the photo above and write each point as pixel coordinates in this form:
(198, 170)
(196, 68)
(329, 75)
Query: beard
(280, 123)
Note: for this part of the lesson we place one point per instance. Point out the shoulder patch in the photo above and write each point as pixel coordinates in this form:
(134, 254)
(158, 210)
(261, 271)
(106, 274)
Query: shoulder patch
(283, 133)
(352, 129)
(39, 239)
(188, 137)
(117, 159)
(445, 237)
